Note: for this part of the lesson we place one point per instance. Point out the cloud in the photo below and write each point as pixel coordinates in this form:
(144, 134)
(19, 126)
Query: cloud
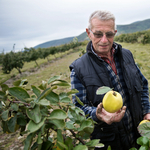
(29, 23)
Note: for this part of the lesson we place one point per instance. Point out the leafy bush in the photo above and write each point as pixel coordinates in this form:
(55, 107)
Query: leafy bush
(140, 37)
(46, 117)
(144, 140)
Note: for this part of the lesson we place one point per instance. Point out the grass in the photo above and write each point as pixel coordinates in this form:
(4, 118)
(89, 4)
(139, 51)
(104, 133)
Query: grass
(141, 54)
(58, 67)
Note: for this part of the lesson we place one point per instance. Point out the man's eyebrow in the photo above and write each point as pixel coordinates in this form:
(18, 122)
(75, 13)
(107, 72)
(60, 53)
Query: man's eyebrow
(98, 31)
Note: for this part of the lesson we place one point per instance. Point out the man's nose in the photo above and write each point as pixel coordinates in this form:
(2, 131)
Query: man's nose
(104, 39)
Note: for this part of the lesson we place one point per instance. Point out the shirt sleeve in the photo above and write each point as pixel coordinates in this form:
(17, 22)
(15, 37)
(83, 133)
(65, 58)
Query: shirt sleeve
(144, 94)
(76, 84)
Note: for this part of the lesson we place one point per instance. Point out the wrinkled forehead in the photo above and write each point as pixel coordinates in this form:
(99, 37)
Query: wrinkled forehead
(98, 24)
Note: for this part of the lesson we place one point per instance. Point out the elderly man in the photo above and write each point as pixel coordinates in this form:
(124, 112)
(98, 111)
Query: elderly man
(106, 63)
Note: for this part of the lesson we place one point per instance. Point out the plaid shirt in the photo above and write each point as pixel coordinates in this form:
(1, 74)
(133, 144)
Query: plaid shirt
(116, 76)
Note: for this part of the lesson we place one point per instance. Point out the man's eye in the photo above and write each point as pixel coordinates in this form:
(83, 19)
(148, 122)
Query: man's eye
(98, 35)
(109, 34)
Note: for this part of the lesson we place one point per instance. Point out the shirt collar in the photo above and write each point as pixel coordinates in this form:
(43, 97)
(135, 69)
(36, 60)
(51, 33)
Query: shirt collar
(114, 47)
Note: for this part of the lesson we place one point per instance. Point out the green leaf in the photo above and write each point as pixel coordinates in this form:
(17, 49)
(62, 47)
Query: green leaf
(144, 148)
(62, 145)
(39, 139)
(21, 120)
(81, 147)
(131, 148)
(53, 97)
(92, 143)
(34, 114)
(69, 125)
(45, 93)
(60, 139)
(34, 146)
(64, 98)
(28, 141)
(45, 110)
(144, 129)
(32, 126)
(4, 87)
(73, 91)
(95, 143)
(19, 93)
(4, 115)
(103, 90)
(14, 107)
(47, 145)
(60, 124)
(58, 114)
(2, 95)
(143, 141)
(30, 99)
(79, 101)
(4, 126)
(100, 145)
(43, 85)
(23, 82)
(60, 136)
(68, 142)
(87, 126)
(17, 83)
(61, 83)
(76, 114)
(36, 91)
(12, 123)
(52, 79)
(62, 95)
(1, 105)
(42, 95)
(44, 102)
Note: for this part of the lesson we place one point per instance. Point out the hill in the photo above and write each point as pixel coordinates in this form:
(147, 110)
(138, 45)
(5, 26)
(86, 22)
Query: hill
(130, 28)
(134, 27)
(55, 42)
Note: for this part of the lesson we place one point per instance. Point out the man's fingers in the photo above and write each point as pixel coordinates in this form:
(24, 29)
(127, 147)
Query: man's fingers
(124, 107)
(121, 114)
(99, 108)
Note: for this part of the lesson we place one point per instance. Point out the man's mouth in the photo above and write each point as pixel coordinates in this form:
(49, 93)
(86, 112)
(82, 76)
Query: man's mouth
(103, 46)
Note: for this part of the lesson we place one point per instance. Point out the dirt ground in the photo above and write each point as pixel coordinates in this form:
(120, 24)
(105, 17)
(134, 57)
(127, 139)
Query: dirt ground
(11, 141)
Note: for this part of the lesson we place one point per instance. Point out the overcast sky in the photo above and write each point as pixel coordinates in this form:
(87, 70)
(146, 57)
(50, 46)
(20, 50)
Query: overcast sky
(27, 23)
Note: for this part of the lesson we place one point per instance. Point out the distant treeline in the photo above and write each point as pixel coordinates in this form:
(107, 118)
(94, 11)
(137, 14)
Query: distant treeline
(136, 37)
(12, 60)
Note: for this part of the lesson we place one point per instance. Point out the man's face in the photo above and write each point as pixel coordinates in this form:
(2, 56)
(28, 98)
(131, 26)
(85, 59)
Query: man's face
(102, 44)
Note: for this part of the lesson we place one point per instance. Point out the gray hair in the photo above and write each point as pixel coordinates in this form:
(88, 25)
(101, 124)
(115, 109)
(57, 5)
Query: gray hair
(101, 15)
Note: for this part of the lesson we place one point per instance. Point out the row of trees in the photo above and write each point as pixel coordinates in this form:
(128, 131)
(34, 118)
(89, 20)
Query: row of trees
(13, 60)
(136, 37)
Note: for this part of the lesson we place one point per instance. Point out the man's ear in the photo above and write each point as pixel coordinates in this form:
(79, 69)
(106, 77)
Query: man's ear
(88, 33)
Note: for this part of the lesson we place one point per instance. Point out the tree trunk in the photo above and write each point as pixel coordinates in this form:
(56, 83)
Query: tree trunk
(19, 70)
(47, 59)
(37, 64)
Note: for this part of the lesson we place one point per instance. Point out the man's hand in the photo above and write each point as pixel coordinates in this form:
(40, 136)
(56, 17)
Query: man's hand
(147, 117)
(107, 117)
